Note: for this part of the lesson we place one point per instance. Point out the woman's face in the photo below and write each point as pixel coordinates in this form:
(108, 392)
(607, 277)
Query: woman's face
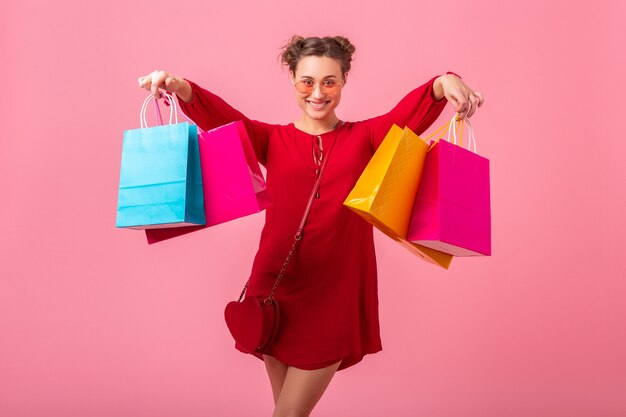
(321, 73)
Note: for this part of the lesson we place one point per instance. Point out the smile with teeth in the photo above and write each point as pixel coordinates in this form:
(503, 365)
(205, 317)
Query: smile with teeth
(317, 105)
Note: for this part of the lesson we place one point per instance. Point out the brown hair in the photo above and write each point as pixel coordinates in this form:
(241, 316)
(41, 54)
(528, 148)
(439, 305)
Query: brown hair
(336, 47)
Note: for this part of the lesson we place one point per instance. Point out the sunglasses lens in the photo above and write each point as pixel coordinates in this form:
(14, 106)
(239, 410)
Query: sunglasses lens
(330, 89)
(327, 87)
(304, 87)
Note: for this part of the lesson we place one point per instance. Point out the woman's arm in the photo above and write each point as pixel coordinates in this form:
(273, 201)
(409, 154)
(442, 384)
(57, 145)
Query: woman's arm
(463, 99)
(206, 109)
(417, 110)
(422, 106)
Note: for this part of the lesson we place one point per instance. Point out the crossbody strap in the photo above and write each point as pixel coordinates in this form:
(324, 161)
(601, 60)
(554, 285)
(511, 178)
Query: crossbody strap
(300, 232)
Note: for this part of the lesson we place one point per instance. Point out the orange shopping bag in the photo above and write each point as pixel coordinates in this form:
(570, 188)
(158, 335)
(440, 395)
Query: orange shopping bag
(385, 192)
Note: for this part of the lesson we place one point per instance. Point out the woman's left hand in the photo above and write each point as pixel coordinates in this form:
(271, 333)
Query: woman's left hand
(464, 100)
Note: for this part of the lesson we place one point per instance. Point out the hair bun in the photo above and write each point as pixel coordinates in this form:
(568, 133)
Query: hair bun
(295, 42)
(298, 47)
(345, 44)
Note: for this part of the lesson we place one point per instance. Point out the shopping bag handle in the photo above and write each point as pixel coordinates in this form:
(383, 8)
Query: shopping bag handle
(144, 107)
(472, 138)
(451, 126)
(170, 99)
(440, 131)
(439, 134)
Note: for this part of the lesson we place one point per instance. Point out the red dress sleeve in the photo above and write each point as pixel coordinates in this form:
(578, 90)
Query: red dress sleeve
(417, 110)
(209, 111)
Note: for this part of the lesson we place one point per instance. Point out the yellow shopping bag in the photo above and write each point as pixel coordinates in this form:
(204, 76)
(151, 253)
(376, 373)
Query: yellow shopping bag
(385, 192)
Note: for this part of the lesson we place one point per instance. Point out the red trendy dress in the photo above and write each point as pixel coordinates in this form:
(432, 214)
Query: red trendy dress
(328, 297)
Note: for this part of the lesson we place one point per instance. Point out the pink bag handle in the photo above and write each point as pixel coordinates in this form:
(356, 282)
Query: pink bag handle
(169, 98)
(157, 111)
(173, 113)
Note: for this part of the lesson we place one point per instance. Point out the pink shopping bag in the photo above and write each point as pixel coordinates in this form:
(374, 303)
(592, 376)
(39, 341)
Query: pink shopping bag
(232, 180)
(452, 208)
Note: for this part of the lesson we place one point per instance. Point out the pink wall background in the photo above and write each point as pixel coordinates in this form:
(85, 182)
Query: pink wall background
(93, 322)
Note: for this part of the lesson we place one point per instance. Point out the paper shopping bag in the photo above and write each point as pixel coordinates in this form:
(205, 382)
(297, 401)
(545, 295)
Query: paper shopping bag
(233, 183)
(452, 207)
(385, 192)
(160, 181)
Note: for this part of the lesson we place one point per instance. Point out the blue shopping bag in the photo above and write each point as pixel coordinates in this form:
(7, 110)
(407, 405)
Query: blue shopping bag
(160, 176)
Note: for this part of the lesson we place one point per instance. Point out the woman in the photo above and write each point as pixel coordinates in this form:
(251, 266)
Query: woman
(328, 298)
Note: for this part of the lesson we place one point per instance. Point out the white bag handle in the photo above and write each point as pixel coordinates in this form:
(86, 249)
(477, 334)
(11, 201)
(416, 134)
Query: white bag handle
(144, 107)
(471, 132)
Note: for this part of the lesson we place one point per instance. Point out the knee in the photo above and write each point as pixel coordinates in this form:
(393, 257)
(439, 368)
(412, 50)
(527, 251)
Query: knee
(289, 412)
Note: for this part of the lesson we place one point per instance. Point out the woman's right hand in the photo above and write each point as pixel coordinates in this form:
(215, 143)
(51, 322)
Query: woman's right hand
(162, 80)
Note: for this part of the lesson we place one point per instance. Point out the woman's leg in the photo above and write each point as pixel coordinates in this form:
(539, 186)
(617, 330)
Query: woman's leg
(302, 390)
(277, 371)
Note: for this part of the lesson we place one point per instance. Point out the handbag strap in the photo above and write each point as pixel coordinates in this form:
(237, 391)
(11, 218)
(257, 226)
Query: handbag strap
(300, 232)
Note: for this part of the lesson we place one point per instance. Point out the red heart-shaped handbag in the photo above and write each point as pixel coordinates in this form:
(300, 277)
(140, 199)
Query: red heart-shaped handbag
(252, 322)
